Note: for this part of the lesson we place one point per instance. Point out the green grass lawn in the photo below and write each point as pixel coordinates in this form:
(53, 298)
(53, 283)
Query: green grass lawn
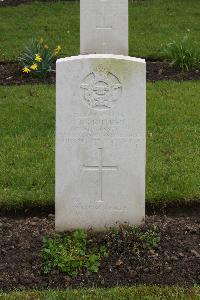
(27, 122)
(151, 24)
(119, 293)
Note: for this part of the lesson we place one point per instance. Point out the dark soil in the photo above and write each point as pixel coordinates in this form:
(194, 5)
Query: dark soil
(13, 2)
(18, 2)
(156, 70)
(10, 74)
(178, 208)
(176, 261)
(159, 70)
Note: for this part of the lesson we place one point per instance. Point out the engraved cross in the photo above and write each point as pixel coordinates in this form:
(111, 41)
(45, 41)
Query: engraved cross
(100, 168)
(102, 26)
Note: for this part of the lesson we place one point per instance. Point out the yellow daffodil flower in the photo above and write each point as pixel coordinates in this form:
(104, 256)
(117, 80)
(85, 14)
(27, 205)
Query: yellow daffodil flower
(34, 67)
(46, 47)
(38, 57)
(26, 70)
(57, 49)
(41, 40)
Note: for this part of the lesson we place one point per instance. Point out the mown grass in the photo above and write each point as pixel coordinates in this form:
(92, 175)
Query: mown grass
(27, 122)
(173, 142)
(152, 23)
(119, 293)
(27, 145)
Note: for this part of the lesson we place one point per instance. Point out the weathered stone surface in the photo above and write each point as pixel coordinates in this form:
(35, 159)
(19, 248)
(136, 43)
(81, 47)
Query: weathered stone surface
(104, 26)
(100, 141)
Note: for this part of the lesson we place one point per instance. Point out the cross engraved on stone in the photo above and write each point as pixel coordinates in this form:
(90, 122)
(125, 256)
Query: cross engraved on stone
(100, 168)
(103, 26)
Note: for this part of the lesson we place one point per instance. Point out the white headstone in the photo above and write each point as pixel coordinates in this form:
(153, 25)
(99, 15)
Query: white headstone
(100, 141)
(104, 26)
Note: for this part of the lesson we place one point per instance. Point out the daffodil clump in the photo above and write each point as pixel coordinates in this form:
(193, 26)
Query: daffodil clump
(38, 58)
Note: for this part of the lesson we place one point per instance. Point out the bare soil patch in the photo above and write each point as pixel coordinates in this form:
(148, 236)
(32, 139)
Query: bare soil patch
(10, 74)
(175, 262)
(156, 70)
(18, 2)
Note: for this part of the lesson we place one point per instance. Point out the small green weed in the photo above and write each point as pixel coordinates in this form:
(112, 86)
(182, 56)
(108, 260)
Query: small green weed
(150, 239)
(70, 254)
(133, 241)
(183, 53)
(37, 58)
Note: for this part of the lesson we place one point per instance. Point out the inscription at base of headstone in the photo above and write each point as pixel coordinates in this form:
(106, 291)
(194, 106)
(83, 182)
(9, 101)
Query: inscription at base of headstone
(100, 141)
(104, 26)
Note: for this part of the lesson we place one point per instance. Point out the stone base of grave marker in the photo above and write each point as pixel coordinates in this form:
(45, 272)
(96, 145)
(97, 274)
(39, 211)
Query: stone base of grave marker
(100, 141)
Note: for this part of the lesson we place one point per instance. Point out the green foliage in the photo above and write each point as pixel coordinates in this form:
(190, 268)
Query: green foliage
(37, 58)
(70, 254)
(151, 239)
(183, 53)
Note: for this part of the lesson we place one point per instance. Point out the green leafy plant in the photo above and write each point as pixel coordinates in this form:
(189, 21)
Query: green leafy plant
(38, 58)
(70, 254)
(183, 53)
(151, 239)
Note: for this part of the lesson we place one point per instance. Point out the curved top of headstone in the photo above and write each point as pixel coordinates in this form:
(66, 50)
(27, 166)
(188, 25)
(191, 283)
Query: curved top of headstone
(103, 56)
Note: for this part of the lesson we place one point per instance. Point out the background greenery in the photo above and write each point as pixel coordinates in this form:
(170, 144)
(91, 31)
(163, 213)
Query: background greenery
(27, 128)
(152, 24)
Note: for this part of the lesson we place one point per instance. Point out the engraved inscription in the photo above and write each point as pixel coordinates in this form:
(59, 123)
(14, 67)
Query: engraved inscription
(100, 127)
(101, 90)
(104, 208)
(100, 168)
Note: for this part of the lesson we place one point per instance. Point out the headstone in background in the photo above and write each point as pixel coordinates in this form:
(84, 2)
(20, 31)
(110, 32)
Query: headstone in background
(104, 26)
(100, 141)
